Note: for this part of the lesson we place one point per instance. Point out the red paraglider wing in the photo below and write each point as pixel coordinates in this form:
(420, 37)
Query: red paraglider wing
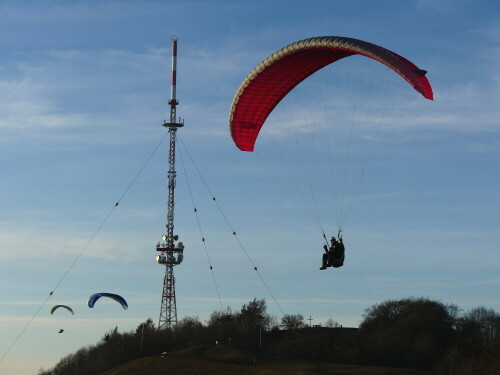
(277, 75)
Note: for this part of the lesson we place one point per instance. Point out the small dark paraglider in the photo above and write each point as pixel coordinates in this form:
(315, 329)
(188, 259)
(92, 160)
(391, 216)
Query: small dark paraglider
(54, 308)
(94, 297)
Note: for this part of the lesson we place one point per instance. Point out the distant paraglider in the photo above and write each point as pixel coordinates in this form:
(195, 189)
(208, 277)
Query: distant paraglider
(54, 308)
(94, 297)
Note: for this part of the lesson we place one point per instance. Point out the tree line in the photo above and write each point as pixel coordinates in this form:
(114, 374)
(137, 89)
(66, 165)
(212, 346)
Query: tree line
(413, 332)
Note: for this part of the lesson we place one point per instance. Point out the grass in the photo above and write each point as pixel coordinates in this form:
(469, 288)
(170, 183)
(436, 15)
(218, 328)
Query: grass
(231, 360)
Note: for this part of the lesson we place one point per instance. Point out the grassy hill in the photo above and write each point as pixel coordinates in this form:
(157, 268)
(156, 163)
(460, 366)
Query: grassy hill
(231, 360)
(407, 336)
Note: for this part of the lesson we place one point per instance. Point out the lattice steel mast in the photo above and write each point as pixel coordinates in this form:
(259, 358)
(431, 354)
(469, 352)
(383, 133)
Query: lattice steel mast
(171, 254)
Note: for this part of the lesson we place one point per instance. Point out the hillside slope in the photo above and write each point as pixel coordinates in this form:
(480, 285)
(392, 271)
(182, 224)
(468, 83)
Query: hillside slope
(230, 360)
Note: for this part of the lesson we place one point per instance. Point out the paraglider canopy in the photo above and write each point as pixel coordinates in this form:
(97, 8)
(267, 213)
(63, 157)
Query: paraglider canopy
(94, 297)
(54, 308)
(278, 74)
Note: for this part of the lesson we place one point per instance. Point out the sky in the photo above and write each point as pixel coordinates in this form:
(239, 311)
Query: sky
(85, 88)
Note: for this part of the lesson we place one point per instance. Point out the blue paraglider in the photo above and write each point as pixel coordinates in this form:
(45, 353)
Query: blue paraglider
(94, 297)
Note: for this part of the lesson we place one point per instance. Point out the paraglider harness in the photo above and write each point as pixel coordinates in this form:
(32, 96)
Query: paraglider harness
(335, 253)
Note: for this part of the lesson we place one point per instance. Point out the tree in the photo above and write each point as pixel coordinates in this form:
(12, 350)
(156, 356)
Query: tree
(218, 318)
(330, 323)
(479, 331)
(144, 332)
(289, 321)
(272, 323)
(252, 319)
(253, 314)
(408, 332)
(189, 331)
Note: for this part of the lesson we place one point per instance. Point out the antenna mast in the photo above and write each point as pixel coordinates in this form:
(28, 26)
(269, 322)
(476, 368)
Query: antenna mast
(170, 253)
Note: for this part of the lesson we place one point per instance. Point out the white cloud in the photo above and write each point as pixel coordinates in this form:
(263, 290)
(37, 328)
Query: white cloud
(444, 6)
(63, 240)
(74, 13)
(73, 96)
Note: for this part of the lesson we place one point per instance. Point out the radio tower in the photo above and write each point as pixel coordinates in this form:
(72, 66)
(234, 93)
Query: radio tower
(170, 253)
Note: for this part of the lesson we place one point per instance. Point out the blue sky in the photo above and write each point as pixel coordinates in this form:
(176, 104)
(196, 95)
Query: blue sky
(84, 89)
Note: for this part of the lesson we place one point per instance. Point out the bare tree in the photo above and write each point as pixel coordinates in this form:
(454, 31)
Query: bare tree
(482, 325)
(330, 323)
(290, 321)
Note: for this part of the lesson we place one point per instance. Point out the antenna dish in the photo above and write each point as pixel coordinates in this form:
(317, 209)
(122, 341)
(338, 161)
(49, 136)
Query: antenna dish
(164, 237)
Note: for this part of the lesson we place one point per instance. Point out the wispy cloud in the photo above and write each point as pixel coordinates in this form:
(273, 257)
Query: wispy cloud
(61, 240)
(444, 6)
(121, 89)
(72, 13)
(75, 95)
